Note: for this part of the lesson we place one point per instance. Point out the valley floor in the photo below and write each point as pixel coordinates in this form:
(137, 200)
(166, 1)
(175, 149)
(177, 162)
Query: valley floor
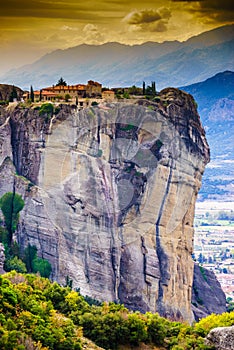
(214, 241)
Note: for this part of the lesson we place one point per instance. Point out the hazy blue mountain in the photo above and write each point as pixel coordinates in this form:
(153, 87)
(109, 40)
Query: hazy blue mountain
(113, 64)
(215, 98)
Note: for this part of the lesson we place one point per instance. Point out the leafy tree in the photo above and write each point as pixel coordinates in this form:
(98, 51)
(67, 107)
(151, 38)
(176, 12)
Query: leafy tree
(46, 110)
(137, 329)
(230, 304)
(42, 266)
(3, 235)
(69, 282)
(36, 264)
(126, 95)
(134, 90)
(15, 264)
(67, 97)
(11, 204)
(56, 294)
(61, 82)
(30, 253)
(156, 328)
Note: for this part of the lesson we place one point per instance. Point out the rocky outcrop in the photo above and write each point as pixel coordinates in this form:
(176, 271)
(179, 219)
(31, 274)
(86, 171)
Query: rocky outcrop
(109, 196)
(6, 92)
(207, 296)
(2, 258)
(221, 338)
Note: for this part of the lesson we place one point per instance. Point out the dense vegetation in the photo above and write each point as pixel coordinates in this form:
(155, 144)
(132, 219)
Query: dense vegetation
(38, 314)
(16, 258)
(11, 204)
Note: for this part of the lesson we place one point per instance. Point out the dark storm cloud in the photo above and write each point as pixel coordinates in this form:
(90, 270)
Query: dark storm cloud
(216, 10)
(52, 9)
(217, 5)
(144, 16)
(36, 8)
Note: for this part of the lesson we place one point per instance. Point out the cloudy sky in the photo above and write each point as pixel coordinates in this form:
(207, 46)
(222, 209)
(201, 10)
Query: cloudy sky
(31, 28)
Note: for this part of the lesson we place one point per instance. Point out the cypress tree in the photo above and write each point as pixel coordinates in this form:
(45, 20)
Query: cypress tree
(31, 94)
(153, 88)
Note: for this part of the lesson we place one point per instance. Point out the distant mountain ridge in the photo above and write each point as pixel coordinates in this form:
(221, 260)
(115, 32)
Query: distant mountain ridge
(113, 64)
(209, 91)
(215, 98)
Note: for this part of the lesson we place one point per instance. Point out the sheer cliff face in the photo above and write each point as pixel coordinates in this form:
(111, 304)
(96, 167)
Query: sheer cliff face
(110, 198)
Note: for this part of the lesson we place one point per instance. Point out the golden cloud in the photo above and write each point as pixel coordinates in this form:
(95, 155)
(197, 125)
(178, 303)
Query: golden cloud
(150, 20)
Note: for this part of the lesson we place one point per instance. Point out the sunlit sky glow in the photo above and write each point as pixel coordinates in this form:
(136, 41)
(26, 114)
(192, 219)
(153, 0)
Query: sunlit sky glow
(31, 28)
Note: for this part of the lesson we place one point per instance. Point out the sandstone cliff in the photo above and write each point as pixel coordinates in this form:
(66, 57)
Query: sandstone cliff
(109, 196)
(207, 295)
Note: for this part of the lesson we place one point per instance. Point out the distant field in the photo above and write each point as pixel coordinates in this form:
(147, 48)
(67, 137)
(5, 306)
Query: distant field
(214, 206)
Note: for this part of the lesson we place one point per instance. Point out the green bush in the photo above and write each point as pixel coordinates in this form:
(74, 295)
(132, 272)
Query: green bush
(126, 95)
(42, 266)
(11, 204)
(48, 315)
(94, 103)
(137, 329)
(3, 235)
(67, 97)
(15, 264)
(46, 110)
(156, 328)
(212, 321)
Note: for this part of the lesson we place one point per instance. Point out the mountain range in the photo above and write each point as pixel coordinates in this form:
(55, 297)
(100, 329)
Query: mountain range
(215, 99)
(169, 63)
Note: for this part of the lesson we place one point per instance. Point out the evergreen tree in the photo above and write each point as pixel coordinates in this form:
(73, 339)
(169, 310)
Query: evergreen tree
(30, 253)
(31, 94)
(11, 204)
(62, 82)
(143, 88)
(42, 266)
(153, 88)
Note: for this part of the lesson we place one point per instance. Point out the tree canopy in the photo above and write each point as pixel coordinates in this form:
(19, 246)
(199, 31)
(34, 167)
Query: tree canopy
(45, 315)
(11, 204)
(62, 82)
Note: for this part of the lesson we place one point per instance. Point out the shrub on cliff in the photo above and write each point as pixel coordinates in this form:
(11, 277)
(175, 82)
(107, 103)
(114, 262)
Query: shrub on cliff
(47, 110)
(36, 264)
(42, 266)
(16, 264)
(11, 204)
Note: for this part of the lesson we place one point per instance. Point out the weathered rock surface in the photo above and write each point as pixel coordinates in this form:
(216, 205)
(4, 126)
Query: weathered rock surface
(109, 200)
(2, 258)
(222, 338)
(207, 295)
(6, 91)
